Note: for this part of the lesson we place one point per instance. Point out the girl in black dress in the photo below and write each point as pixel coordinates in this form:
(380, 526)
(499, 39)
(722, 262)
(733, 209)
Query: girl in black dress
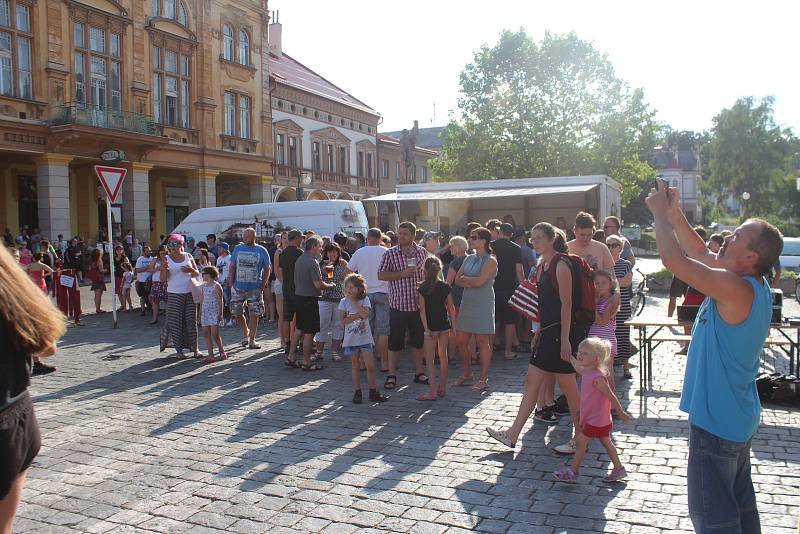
(557, 342)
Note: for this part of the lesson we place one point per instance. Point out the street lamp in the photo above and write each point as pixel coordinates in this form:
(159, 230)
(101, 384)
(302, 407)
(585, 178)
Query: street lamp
(745, 198)
(303, 178)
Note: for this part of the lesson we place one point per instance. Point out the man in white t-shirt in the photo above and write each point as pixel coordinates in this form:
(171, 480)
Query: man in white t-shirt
(366, 261)
(143, 278)
(223, 262)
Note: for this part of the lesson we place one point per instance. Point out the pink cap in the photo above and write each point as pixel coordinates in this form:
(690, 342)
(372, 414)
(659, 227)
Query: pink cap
(175, 237)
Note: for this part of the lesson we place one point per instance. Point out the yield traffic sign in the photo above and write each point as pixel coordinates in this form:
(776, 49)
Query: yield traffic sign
(111, 178)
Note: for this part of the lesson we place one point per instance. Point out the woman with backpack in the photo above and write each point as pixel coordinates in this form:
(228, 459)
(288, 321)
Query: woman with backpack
(556, 339)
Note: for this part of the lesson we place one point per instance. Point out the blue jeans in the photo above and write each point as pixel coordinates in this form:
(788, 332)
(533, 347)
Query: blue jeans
(721, 495)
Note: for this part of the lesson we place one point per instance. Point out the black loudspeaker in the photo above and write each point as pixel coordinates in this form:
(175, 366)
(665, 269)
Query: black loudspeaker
(687, 314)
(777, 305)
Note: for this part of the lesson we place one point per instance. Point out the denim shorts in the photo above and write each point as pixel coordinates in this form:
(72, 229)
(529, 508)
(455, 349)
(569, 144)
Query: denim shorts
(350, 351)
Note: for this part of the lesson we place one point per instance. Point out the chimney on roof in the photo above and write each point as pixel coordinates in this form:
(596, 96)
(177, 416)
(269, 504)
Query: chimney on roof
(274, 36)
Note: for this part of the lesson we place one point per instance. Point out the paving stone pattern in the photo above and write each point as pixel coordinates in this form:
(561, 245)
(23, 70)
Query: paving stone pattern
(138, 442)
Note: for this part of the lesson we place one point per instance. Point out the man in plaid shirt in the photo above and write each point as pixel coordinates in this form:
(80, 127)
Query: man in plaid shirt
(403, 267)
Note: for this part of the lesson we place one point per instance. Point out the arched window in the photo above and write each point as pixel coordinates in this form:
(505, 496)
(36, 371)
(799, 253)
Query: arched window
(227, 45)
(244, 48)
(169, 9)
(182, 17)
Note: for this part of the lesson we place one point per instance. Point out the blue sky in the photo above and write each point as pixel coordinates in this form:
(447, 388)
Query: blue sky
(691, 58)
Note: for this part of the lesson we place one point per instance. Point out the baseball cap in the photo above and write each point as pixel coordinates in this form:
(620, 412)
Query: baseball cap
(224, 245)
(294, 233)
(339, 236)
(506, 228)
(189, 239)
(431, 235)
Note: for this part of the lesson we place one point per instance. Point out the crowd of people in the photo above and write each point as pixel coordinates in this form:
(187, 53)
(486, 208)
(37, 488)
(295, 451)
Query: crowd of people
(380, 293)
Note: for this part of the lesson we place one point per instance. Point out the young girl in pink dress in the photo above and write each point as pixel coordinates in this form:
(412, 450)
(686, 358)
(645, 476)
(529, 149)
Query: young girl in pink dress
(597, 399)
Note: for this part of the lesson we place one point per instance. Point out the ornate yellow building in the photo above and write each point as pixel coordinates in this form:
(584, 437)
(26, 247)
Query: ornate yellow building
(180, 86)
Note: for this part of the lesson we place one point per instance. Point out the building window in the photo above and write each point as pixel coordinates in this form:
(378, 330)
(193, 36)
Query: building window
(227, 42)
(424, 174)
(316, 156)
(230, 114)
(384, 168)
(171, 88)
(279, 148)
(16, 72)
(102, 61)
(237, 115)
(244, 48)
(293, 152)
(397, 169)
(331, 167)
(360, 164)
(244, 117)
(171, 9)
(342, 160)
(369, 165)
(414, 174)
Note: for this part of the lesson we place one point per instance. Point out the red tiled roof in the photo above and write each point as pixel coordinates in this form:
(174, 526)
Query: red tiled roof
(288, 71)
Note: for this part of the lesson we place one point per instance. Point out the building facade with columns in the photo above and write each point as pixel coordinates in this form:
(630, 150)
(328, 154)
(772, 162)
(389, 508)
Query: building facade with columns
(182, 88)
(324, 138)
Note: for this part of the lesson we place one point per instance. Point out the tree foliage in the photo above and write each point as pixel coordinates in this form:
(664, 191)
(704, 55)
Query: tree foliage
(749, 153)
(552, 108)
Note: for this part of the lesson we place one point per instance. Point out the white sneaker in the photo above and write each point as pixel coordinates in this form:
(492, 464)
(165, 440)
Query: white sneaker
(566, 448)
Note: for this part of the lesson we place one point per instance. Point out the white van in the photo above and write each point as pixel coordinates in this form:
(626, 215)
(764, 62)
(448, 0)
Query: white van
(326, 217)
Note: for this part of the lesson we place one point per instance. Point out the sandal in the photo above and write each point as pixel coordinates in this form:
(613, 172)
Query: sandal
(426, 397)
(501, 436)
(391, 382)
(418, 378)
(336, 357)
(567, 475)
(480, 385)
(291, 363)
(312, 367)
(465, 381)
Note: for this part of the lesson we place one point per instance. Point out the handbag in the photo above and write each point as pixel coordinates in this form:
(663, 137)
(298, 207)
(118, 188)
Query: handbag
(197, 290)
(525, 300)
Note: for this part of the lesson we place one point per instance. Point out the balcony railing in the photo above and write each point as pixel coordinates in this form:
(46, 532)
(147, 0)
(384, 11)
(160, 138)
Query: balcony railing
(323, 178)
(89, 115)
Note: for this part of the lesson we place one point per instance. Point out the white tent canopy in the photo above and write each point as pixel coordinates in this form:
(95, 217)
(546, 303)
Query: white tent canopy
(480, 193)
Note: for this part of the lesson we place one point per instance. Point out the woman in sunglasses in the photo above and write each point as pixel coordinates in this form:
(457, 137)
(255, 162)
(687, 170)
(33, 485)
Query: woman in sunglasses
(158, 290)
(180, 329)
(476, 313)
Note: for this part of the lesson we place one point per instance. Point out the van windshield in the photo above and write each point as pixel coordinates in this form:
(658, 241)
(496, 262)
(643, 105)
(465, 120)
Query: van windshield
(791, 247)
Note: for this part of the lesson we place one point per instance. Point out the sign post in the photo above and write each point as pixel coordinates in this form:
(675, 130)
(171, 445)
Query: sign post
(111, 180)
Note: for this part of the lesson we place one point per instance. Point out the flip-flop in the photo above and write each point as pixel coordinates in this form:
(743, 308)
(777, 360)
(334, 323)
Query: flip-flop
(312, 367)
(501, 436)
(419, 380)
(426, 397)
(391, 382)
(291, 363)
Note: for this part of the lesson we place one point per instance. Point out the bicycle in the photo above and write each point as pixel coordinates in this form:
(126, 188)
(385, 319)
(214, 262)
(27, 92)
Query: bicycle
(638, 299)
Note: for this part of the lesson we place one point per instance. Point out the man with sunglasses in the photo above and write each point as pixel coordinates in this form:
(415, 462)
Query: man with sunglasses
(611, 226)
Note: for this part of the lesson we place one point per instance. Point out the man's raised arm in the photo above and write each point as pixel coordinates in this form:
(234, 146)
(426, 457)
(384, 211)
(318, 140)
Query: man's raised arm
(691, 243)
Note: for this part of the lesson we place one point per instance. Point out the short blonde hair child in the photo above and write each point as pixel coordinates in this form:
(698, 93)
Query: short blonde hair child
(600, 348)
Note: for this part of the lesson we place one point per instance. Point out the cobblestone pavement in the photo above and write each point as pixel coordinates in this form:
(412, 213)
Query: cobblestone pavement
(138, 442)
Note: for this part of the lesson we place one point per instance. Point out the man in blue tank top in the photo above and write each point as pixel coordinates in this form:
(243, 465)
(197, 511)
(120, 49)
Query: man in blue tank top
(719, 391)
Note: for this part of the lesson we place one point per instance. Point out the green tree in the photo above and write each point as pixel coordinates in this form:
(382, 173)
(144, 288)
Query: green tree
(748, 152)
(551, 108)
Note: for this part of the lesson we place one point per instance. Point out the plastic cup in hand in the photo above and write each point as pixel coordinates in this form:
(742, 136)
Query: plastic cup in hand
(329, 272)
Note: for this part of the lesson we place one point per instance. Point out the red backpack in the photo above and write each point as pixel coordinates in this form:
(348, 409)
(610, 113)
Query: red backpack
(583, 293)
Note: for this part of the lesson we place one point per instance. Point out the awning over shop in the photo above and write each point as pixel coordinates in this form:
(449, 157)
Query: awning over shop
(481, 193)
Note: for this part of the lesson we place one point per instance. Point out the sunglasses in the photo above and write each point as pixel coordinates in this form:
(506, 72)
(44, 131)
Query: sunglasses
(174, 243)
(613, 245)
(475, 237)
